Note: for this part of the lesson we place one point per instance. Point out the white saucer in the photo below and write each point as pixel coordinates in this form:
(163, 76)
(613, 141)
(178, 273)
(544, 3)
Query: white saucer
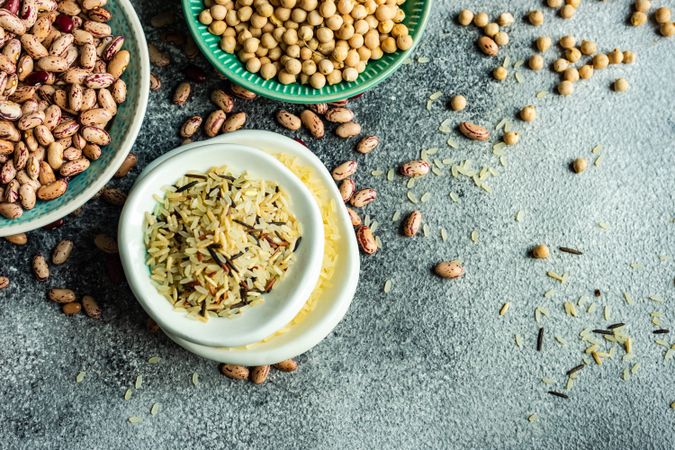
(336, 298)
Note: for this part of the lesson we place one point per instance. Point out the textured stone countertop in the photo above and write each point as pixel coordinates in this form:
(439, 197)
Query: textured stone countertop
(431, 364)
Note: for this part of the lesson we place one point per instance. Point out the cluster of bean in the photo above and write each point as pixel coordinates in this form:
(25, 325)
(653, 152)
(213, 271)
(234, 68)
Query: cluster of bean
(60, 68)
(307, 41)
(494, 35)
(662, 16)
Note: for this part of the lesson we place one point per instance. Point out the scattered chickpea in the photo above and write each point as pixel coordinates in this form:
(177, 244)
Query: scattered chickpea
(572, 55)
(628, 57)
(465, 17)
(560, 65)
(615, 56)
(567, 41)
(528, 113)
(535, 17)
(579, 165)
(586, 72)
(540, 251)
(543, 43)
(667, 29)
(588, 47)
(501, 38)
(600, 61)
(500, 73)
(491, 29)
(481, 19)
(621, 85)
(536, 62)
(565, 88)
(554, 3)
(505, 19)
(511, 137)
(642, 5)
(458, 103)
(662, 15)
(575, 3)
(638, 18)
(571, 74)
(567, 12)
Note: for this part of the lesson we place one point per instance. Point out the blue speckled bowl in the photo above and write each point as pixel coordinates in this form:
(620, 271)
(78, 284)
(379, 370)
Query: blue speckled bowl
(123, 130)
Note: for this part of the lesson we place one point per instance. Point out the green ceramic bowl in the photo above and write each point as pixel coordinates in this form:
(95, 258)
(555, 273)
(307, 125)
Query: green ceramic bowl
(416, 11)
(123, 130)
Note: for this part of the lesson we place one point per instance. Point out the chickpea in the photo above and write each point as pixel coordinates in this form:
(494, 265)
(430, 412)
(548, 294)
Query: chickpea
(244, 56)
(543, 43)
(579, 165)
(253, 65)
(359, 12)
(274, 53)
(372, 39)
(361, 67)
(245, 13)
(638, 18)
(293, 66)
(345, 6)
(571, 74)
(536, 62)
(386, 26)
(309, 5)
(388, 45)
(283, 14)
(505, 19)
(352, 59)
(262, 51)
(345, 32)
(500, 73)
(317, 80)
(308, 67)
(264, 9)
(400, 15)
(585, 71)
(218, 12)
(560, 65)
(567, 12)
(228, 44)
(205, 17)
(491, 29)
(334, 22)
(642, 5)
(481, 19)
(288, 3)
(377, 53)
(218, 27)
(575, 3)
(554, 3)
(511, 137)
(258, 21)
(326, 47)
(588, 47)
(662, 15)
(404, 42)
(667, 29)
(327, 9)
(325, 66)
(600, 61)
(465, 17)
(324, 35)
(340, 52)
(501, 38)
(356, 41)
(298, 15)
(628, 57)
(572, 55)
(364, 52)
(620, 85)
(528, 113)
(334, 77)
(251, 45)
(615, 56)
(305, 33)
(305, 54)
(398, 30)
(567, 41)
(457, 102)
(350, 74)
(535, 17)
(361, 27)
(540, 251)
(285, 77)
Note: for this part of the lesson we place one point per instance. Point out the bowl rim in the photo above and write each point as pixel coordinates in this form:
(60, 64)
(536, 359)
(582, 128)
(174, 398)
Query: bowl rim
(358, 88)
(123, 150)
(215, 333)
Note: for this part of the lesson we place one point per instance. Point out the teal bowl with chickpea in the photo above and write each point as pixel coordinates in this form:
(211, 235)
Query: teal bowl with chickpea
(306, 51)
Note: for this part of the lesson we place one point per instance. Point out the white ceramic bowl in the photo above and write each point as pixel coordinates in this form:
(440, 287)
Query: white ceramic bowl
(123, 130)
(331, 307)
(287, 297)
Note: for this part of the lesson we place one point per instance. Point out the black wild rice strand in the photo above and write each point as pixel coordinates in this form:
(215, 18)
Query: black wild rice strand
(187, 186)
(570, 250)
(605, 332)
(661, 331)
(616, 325)
(540, 339)
(575, 369)
(297, 243)
(558, 394)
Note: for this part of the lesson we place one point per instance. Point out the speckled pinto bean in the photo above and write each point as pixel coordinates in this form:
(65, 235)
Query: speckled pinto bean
(344, 170)
(60, 69)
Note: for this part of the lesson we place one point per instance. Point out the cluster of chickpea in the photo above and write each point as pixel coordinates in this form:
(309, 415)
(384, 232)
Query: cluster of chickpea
(494, 34)
(307, 41)
(662, 16)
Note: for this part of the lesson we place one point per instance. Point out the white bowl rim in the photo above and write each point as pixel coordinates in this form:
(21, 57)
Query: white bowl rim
(130, 138)
(260, 321)
(319, 329)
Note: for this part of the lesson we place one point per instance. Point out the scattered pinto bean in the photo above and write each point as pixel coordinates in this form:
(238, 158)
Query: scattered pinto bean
(106, 244)
(288, 120)
(339, 115)
(367, 144)
(126, 166)
(287, 365)
(17, 239)
(242, 93)
(415, 168)
(234, 371)
(113, 196)
(222, 100)
(259, 374)
(157, 57)
(155, 82)
(313, 123)
(61, 295)
(347, 189)
(62, 252)
(91, 308)
(344, 170)
(366, 240)
(234, 122)
(214, 122)
(363, 197)
(347, 130)
(182, 93)
(354, 217)
(412, 223)
(449, 269)
(190, 126)
(71, 309)
(40, 268)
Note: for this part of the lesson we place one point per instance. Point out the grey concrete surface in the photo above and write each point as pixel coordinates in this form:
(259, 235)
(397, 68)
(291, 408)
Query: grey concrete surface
(430, 365)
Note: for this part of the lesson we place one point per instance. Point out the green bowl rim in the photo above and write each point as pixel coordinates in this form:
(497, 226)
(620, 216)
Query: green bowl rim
(193, 25)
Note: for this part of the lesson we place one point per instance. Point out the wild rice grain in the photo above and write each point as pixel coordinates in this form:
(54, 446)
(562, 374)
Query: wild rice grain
(540, 339)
